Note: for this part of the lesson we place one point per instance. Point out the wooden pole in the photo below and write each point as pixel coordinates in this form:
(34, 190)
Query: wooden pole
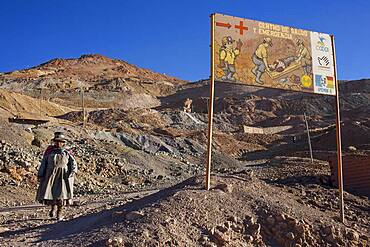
(308, 136)
(338, 134)
(210, 108)
(83, 106)
(40, 102)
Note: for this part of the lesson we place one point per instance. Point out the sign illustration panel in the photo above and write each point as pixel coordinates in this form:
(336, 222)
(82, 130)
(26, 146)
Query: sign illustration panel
(270, 55)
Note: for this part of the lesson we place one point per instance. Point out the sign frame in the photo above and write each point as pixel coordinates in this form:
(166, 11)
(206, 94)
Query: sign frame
(210, 116)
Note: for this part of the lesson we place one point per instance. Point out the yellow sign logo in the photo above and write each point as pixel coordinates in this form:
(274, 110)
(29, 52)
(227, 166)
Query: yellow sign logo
(306, 81)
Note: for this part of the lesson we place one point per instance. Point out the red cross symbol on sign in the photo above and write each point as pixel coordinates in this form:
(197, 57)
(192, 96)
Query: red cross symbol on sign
(241, 27)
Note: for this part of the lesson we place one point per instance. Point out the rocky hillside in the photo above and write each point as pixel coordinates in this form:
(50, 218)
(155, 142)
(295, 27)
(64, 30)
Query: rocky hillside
(107, 82)
(86, 70)
(15, 104)
(141, 160)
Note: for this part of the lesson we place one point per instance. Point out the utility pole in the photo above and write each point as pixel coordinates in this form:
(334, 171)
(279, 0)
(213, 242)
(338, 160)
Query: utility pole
(308, 136)
(40, 101)
(83, 106)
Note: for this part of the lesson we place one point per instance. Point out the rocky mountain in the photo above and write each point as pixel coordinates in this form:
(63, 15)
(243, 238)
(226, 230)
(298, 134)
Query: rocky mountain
(107, 82)
(86, 71)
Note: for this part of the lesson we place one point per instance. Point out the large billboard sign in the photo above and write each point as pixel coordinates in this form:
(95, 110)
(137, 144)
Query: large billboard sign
(270, 55)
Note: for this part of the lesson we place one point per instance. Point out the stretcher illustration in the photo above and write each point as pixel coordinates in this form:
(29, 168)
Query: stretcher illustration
(292, 67)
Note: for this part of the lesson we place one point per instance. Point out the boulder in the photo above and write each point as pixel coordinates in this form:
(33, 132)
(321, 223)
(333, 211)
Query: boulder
(270, 220)
(36, 142)
(114, 242)
(133, 215)
(227, 188)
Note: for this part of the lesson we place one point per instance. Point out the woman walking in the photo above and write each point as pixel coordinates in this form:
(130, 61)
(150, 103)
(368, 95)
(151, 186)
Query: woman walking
(56, 176)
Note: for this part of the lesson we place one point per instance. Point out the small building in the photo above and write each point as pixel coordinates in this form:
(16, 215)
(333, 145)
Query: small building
(20, 120)
(356, 173)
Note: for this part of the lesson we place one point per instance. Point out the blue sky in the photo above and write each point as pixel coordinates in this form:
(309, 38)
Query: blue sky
(168, 36)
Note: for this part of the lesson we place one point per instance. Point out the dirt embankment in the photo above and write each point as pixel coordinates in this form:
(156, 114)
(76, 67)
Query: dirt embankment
(15, 104)
(259, 206)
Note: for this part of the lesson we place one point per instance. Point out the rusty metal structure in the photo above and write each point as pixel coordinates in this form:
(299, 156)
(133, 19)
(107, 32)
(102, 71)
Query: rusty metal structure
(356, 173)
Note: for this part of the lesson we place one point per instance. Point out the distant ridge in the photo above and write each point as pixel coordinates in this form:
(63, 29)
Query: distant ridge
(88, 68)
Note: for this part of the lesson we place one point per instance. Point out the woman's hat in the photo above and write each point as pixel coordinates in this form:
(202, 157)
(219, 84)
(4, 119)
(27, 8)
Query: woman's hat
(59, 136)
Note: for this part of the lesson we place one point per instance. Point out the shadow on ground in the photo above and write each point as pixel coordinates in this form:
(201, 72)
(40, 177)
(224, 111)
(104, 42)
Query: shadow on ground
(63, 230)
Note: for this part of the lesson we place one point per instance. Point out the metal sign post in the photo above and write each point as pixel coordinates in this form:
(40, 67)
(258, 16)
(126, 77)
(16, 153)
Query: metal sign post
(338, 135)
(308, 136)
(210, 108)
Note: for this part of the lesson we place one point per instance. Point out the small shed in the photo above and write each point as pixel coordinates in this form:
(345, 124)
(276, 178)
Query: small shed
(356, 173)
(27, 121)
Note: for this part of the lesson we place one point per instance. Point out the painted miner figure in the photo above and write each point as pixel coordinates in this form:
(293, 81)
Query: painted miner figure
(56, 176)
(260, 59)
(227, 57)
(187, 105)
(304, 57)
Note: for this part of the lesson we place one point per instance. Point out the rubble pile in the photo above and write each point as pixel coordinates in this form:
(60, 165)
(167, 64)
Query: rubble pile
(239, 210)
(17, 165)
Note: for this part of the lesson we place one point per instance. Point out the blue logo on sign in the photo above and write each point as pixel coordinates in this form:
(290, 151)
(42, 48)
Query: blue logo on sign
(321, 44)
